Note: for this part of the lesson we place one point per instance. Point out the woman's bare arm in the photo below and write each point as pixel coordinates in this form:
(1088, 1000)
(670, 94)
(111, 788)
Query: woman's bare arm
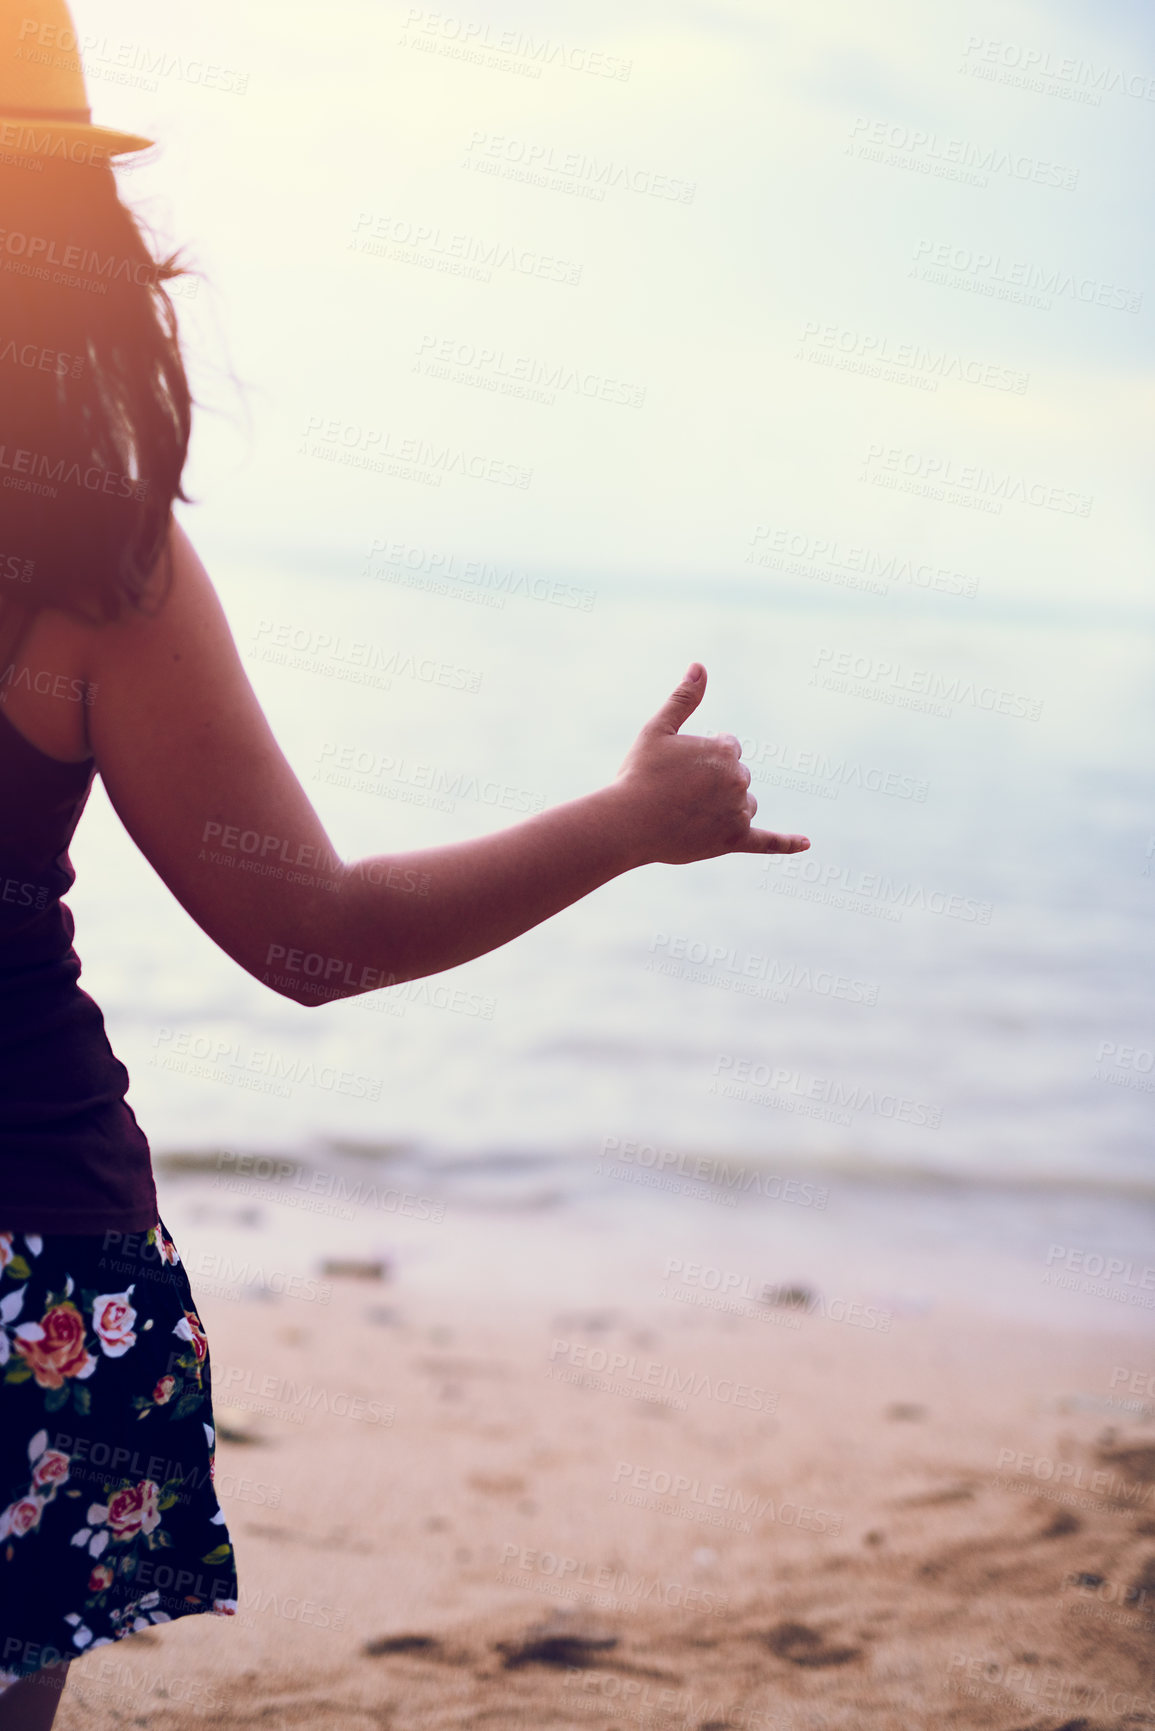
(194, 772)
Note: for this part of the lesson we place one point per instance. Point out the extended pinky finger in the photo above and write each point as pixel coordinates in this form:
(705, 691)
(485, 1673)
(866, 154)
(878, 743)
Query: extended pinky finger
(767, 841)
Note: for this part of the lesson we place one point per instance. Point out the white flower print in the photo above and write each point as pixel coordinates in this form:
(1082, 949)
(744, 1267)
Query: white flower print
(10, 1308)
(81, 1634)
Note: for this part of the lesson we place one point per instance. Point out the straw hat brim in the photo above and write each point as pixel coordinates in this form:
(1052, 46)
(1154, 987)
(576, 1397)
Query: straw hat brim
(35, 133)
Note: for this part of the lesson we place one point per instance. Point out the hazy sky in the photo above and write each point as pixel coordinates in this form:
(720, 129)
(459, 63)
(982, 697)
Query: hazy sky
(837, 319)
(745, 208)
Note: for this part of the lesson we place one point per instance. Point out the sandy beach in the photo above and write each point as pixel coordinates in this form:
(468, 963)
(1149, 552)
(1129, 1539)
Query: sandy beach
(454, 1512)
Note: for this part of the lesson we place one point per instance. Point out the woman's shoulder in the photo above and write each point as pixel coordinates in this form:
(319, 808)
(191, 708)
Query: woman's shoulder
(55, 673)
(44, 682)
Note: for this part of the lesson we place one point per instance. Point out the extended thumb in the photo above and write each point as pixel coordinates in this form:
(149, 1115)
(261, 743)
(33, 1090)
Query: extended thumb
(681, 702)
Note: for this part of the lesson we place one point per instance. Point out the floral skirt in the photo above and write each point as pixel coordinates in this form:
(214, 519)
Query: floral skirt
(109, 1521)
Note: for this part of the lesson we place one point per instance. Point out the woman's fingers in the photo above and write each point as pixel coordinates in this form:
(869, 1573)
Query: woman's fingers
(767, 841)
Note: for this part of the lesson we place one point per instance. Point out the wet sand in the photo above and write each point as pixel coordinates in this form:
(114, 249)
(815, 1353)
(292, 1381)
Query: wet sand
(459, 1513)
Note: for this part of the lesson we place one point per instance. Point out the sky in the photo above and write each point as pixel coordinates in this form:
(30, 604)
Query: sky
(731, 250)
(830, 330)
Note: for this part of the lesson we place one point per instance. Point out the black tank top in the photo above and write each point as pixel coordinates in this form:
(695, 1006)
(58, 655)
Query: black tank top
(72, 1156)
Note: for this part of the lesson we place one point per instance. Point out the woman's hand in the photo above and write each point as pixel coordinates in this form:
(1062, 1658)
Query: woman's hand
(690, 793)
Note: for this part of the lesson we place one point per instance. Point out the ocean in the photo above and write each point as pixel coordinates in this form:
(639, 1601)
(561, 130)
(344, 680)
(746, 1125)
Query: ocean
(527, 375)
(929, 1035)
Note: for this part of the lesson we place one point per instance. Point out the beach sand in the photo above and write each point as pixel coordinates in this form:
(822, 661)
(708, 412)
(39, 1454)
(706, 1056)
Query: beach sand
(944, 1522)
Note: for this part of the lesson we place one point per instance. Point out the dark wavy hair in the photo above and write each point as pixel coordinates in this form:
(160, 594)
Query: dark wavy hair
(95, 406)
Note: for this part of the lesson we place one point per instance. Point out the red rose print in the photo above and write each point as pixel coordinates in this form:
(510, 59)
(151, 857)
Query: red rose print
(20, 1517)
(60, 1352)
(163, 1390)
(50, 1468)
(197, 1335)
(100, 1578)
(134, 1510)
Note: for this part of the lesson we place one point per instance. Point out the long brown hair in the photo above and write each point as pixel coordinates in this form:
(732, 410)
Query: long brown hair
(95, 407)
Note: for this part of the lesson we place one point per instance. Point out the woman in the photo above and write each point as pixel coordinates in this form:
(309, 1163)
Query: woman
(116, 658)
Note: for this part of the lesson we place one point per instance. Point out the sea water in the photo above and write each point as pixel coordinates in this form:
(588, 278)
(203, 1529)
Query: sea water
(933, 1030)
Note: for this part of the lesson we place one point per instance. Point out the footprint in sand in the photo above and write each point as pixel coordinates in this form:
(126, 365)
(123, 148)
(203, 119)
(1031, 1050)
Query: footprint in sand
(805, 1646)
(565, 1638)
(419, 1646)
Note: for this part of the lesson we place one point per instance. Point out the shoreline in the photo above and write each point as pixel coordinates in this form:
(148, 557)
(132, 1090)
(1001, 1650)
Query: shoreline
(837, 1526)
